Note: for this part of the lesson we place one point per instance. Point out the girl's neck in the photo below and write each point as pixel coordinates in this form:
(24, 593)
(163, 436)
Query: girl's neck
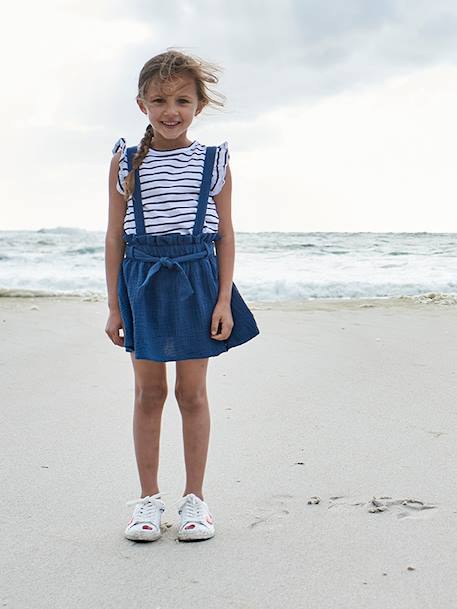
(164, 145)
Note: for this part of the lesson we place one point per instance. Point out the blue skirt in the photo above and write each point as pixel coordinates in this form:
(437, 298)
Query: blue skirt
(166, 308)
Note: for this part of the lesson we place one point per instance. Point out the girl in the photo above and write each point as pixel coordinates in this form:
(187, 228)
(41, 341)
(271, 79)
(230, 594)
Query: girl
(169, 291)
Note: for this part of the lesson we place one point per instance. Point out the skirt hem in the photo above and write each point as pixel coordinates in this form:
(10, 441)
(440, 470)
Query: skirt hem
(194, 356)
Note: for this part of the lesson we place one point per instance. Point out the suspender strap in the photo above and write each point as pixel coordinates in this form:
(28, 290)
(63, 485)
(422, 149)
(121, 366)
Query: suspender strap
(204, 189)
(137, 202)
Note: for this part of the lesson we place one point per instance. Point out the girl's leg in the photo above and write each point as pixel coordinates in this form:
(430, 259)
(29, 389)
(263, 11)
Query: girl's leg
(150, 395)
(190, 392)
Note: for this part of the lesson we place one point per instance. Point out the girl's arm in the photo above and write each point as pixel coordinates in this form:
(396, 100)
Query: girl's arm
(225, 247)
(114, 244)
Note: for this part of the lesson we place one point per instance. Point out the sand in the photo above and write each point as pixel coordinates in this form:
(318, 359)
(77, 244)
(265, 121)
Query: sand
(331, 467)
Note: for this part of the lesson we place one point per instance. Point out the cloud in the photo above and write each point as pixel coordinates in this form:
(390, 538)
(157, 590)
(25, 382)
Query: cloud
(83, 59)
(70, 75)
(280, 52)
(375, 159)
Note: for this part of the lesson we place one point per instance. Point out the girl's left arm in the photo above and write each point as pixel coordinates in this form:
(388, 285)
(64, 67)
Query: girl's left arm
(225, 247)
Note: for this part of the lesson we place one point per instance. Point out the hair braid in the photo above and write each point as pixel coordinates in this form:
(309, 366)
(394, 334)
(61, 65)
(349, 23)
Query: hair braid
(138, 158)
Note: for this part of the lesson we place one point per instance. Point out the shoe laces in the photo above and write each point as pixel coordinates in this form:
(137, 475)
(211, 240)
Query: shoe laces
(147, 507)
(191, 508)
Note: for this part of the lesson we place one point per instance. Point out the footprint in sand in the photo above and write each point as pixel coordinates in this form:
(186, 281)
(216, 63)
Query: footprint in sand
(402, 508)
(272, 515)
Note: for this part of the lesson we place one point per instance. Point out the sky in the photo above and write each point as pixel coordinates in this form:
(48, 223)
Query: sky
(340, 115)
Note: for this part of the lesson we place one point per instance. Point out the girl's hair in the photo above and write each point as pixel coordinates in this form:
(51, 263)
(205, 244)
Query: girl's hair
(165, 67)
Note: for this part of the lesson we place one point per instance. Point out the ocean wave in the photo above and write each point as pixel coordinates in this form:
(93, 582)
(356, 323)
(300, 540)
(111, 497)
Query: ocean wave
(67, 230)
(21, 293)
(89, 249)
(441, 298)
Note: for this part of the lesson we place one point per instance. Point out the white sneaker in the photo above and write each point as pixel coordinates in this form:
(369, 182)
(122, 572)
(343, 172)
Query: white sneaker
(144, 525)
(196, 520)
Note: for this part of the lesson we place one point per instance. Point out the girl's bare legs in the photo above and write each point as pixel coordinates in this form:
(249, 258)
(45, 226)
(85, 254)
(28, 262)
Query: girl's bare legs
(150, 395)
(190, 392)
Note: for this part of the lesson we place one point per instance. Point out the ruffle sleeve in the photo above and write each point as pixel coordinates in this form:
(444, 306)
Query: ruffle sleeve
(220, 168)
(123, 169)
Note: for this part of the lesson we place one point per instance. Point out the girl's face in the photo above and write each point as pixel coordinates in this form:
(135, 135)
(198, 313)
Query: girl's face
(171, 108)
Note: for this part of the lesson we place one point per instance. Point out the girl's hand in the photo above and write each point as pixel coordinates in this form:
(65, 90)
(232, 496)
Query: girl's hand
(113, 325)
(222, 314)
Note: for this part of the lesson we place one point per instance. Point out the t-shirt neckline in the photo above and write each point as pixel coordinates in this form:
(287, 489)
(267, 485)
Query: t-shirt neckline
(160, 152)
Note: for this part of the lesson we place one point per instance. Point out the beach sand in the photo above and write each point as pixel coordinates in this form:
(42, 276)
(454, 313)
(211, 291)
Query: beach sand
(331, 466)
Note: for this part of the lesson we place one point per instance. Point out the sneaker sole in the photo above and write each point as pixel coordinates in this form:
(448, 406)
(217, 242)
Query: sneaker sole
(188, 536)
(143, 535)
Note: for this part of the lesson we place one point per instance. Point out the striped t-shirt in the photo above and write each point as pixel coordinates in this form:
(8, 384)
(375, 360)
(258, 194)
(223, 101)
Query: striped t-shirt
(170, 185)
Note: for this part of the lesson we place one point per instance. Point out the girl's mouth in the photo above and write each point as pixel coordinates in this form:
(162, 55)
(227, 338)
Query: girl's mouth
(170, 125)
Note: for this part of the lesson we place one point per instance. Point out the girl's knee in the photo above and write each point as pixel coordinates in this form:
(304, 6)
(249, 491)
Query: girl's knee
(190, 398)
(150, 395)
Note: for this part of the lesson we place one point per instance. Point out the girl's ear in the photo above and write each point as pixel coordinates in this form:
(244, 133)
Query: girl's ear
(141, 105)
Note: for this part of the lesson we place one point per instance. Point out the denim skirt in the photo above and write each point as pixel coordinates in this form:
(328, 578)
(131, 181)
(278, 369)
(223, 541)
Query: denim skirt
(167, 290)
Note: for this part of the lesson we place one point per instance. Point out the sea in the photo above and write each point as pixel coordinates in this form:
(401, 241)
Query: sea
(271, 267)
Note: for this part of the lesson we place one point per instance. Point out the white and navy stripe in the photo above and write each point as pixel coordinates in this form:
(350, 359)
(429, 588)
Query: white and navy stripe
(170, 185)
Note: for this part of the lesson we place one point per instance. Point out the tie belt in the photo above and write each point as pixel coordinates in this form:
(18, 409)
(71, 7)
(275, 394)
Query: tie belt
(185, 287)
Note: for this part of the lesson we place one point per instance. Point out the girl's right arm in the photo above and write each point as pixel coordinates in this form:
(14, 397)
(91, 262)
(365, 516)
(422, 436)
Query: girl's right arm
(114, 251)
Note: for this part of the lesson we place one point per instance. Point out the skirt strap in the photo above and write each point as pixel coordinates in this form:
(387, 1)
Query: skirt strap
(137, 202)
(204, 189)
